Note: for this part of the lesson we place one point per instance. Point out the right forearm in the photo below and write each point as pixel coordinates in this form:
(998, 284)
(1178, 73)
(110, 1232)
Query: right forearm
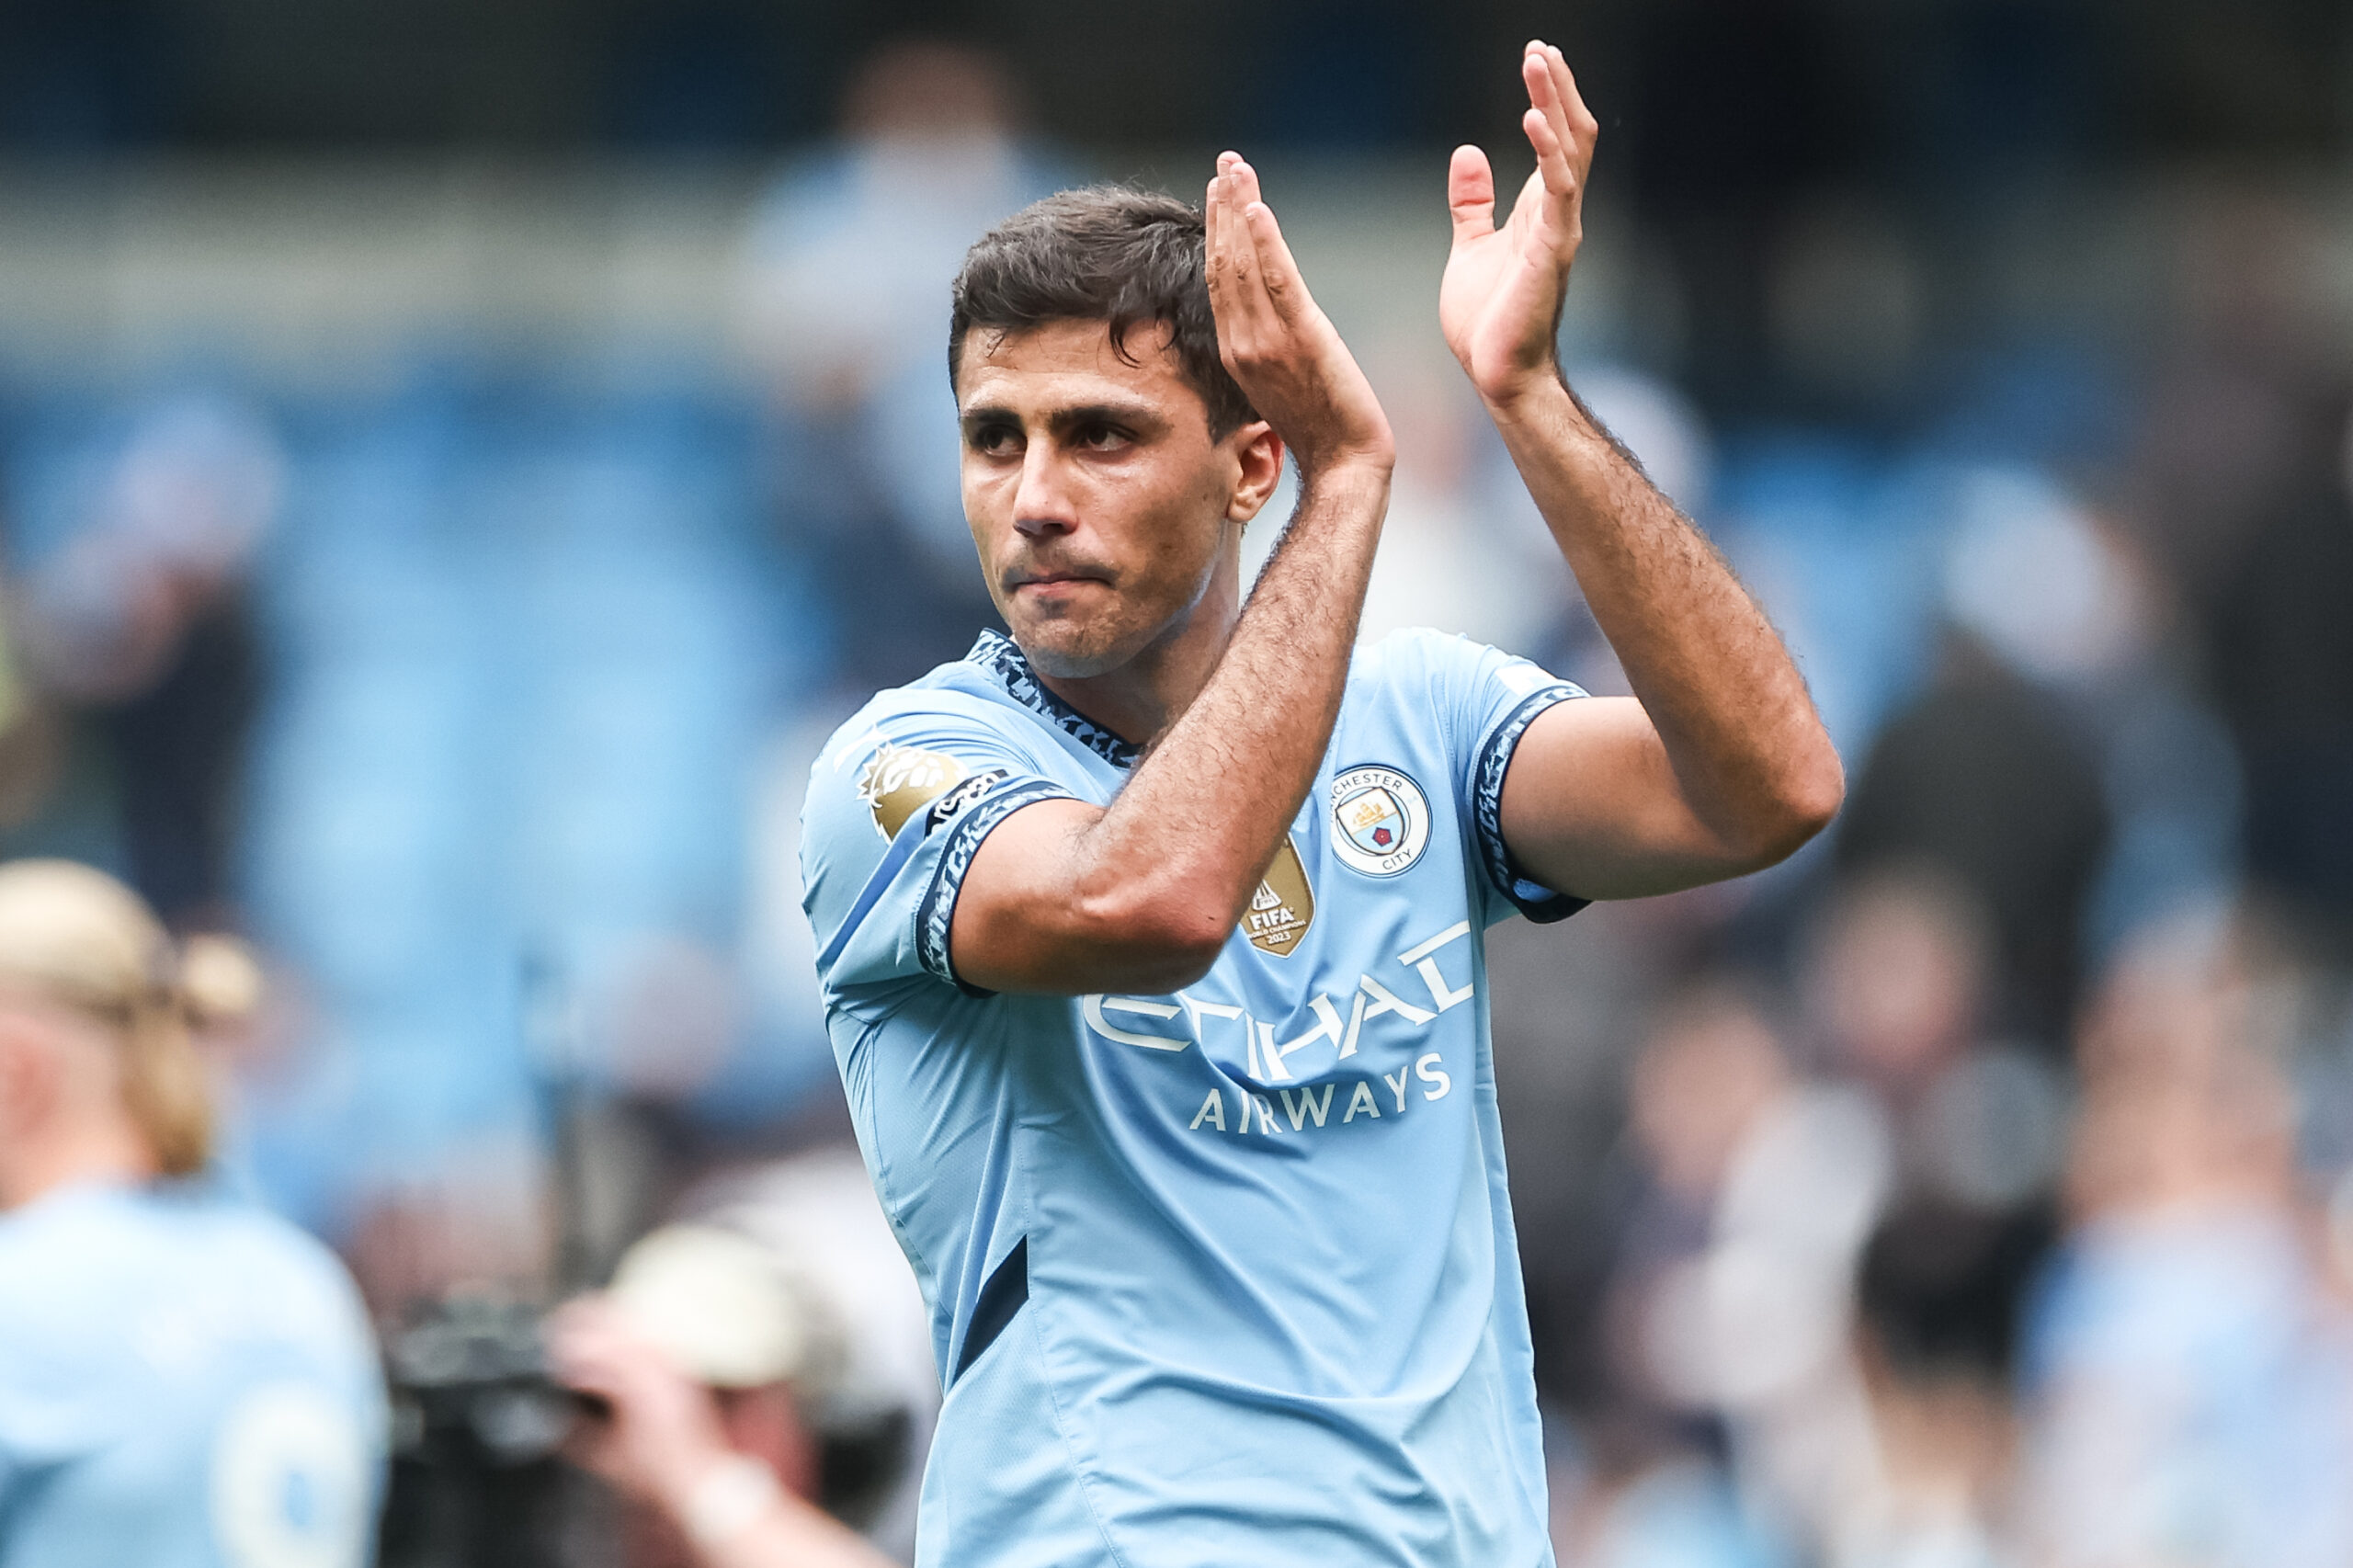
(1209, 806)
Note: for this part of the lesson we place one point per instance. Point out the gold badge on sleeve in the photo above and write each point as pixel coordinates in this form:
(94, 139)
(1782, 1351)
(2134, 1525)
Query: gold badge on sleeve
(899, 781)
(1283, 907)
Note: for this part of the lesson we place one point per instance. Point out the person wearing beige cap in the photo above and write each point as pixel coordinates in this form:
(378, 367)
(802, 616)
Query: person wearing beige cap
(185, 1381)
(729, 1361)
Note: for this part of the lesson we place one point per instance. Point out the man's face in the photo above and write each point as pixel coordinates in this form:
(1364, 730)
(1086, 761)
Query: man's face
(1100, 503)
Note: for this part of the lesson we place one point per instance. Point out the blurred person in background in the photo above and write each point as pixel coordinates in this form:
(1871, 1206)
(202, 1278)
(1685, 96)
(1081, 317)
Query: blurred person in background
(2241, 488)
(844, 299)
(765, 1378)
(2189, 1376)
(1749, 1323)
(1938, 1297)
(184, 1380)
(1897, 972)
(1655, 1473)
(1982, 777)
(140, 670)
(1811, 1319)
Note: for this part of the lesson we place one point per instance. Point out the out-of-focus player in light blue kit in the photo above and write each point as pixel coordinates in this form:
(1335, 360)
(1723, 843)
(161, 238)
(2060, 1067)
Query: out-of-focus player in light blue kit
(1152, 936)
(185, 1381)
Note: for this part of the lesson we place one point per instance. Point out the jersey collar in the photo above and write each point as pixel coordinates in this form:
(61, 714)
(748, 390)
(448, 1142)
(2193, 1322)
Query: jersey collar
(1003, 658)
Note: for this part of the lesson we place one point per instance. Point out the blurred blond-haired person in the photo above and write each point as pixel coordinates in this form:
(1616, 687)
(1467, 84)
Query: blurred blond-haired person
(186, 1381)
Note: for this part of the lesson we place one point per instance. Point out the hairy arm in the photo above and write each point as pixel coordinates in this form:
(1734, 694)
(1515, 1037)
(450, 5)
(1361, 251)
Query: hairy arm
(1140, 895)
(1718, 763)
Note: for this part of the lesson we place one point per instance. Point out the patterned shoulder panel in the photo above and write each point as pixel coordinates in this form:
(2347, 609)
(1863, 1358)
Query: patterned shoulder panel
(998, 654)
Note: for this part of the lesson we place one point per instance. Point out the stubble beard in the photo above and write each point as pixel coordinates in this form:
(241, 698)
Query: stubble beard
(1075, 651)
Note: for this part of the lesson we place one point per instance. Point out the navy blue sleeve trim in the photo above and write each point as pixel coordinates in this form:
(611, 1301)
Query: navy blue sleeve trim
(1004, 1294)
(1531, 898)
(937, 912)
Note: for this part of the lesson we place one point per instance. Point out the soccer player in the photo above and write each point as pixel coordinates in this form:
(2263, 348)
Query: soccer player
(1151, 935)
(185, 1381)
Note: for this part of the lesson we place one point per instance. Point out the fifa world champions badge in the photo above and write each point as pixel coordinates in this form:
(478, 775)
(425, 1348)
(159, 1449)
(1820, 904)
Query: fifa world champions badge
(1381, 819)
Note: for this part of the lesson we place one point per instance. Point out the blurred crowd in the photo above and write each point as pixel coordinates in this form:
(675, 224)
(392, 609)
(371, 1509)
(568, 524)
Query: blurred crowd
(1976, 1189)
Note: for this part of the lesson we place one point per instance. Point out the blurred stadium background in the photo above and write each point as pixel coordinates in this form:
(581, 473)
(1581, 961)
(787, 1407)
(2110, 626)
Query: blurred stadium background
(455, 460)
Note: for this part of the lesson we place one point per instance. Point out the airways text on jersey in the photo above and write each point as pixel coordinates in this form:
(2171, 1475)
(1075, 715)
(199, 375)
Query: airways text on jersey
(1380, 1024)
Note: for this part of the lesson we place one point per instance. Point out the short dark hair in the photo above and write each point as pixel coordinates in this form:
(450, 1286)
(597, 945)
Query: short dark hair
(1104, 253)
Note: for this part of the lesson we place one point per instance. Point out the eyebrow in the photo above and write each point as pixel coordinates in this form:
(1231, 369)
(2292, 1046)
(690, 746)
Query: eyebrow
(1141, 417)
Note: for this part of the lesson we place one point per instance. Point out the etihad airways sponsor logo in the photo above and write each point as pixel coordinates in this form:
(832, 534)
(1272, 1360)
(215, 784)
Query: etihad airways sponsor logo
(1179, 1021)
(1307, 1108)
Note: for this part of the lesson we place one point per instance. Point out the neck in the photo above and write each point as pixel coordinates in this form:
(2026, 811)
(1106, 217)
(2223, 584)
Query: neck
(1138, 700)
(42, 1164)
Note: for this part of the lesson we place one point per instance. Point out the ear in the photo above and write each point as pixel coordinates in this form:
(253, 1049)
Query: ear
(1259, 454)
(30, 1077)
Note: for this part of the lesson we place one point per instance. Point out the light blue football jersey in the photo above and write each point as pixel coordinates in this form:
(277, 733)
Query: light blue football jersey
(186, 1381)
(1228, 1275)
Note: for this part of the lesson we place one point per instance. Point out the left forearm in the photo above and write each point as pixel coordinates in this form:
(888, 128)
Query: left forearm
(1747, 751)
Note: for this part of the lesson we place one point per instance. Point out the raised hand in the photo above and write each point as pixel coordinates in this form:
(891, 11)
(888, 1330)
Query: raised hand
(1275, 341)
(662, 1432)
(1499, 304)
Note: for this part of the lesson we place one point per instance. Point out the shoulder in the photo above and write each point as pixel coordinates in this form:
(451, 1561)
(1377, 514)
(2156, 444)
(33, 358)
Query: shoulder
(228, 1237)
(1420, 652)
(1408, 651)
(253, 1235)
(1421, 659)
(112, 1259)
(77, 1230)
(1447, 678)
(968, 699)
(905, 750)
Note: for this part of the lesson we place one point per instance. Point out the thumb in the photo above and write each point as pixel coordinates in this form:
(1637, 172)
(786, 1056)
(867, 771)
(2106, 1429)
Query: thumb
(1471, 194)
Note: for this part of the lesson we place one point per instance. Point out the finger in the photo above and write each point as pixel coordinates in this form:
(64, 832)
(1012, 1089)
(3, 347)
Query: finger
(1582, 125)
(1278, 277)
(1213, 216)
(1471, 194)
(1217, 229)
(1212, 232)
(1241, 191)
(1244, 318)
(1545, 101)
(1553, 88)
(1553, 164)
(1255, 307)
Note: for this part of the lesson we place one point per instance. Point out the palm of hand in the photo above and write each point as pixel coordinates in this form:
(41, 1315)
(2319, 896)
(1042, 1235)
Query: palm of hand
(1499, 302)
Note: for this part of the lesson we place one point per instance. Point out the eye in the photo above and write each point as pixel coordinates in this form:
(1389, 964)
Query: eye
(995, 439)
(1100, 437)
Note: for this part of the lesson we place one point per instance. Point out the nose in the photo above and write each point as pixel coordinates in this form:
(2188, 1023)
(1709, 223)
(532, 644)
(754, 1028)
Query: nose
(1042, 503)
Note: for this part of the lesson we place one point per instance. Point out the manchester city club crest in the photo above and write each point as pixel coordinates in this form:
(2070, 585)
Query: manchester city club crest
(1381, 819)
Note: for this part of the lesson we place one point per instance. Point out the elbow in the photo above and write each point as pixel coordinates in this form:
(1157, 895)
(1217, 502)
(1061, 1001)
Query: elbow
(1159, 941)
(1808, 800)
(1815, 793)
(1800, 804)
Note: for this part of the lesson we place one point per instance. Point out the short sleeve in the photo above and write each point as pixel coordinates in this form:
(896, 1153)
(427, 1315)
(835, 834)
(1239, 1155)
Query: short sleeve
(1488, 698)
(898, 806)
